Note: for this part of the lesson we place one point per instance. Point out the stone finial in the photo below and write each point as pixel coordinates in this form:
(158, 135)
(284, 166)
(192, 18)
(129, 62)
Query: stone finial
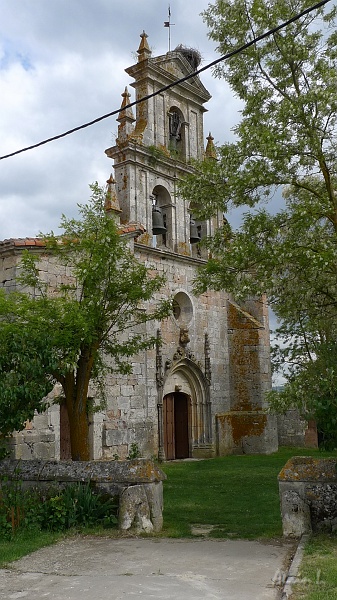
(111, 204)
(210, 151)
(143, 51)
(126, 113)
(125, 118)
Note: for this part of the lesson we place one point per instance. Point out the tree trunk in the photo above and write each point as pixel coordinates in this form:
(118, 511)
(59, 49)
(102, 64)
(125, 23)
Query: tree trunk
(76, 387)
(79, 432)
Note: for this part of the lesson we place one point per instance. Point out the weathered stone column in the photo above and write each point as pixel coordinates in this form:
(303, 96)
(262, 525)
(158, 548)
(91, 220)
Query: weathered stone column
(160, 384)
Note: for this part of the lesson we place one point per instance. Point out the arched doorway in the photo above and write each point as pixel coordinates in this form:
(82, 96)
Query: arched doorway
(184, 412)
(176, 425)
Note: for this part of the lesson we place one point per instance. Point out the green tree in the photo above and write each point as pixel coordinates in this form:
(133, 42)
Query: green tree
(284, 143)
(85, 328)
(26, 361)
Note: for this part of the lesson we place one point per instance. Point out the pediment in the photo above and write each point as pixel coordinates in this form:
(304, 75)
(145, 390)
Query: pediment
(178, 66)
(172, 66)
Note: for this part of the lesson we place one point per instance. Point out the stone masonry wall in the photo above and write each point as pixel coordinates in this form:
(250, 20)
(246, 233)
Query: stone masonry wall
(291, 429)
(131, 416)
(246, 427)
(132, 413)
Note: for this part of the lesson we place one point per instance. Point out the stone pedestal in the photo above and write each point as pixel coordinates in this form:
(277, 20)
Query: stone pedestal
(308, 495)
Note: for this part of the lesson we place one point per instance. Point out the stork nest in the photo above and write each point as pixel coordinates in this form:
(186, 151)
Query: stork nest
(193, 56)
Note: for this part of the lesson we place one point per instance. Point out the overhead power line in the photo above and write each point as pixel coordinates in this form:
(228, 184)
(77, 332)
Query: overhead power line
(174, 83)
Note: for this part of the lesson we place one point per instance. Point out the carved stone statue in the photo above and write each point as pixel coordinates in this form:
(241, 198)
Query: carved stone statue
(184, 337)
(175, 126)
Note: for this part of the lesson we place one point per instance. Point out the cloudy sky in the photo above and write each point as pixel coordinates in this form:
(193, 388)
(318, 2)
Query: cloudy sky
(62, 64)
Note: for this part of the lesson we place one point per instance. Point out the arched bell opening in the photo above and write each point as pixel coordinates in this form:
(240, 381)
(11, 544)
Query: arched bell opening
(198, 233)
(162, 219)
(195, 232)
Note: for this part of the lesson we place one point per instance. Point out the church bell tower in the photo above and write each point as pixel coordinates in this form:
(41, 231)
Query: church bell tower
(155, 148)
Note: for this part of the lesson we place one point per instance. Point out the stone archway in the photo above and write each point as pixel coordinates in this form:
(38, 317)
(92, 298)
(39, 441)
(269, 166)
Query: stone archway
(186, 417)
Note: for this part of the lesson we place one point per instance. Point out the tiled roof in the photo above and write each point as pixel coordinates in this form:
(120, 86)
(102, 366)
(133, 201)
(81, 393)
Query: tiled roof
(21, 243)
(12, 243)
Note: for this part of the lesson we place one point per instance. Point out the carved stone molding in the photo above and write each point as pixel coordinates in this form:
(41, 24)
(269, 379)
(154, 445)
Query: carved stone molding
(159, 361)
(208, 370)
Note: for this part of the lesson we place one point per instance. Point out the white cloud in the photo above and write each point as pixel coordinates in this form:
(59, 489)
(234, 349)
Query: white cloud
(62, 64)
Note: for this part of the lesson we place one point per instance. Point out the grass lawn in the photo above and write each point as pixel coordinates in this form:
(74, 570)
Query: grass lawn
(237, 495)
(25, 542)
(318, 571)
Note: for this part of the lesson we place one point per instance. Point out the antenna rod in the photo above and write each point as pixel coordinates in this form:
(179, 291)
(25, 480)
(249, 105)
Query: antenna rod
(169, 25)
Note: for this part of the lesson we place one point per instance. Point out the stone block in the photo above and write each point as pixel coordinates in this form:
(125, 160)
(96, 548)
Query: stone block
(154, 494)
(246, 432)
(41, 421)
(24, 451)
(48, 437)
(115, 437)
(137, 402)
(44, 450)
(308, 495)
(295, 511)
(134, 510)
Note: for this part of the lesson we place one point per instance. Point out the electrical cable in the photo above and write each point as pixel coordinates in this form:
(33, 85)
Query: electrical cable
(174, 83)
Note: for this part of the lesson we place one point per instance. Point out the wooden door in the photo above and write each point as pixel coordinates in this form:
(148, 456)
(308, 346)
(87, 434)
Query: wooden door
(175, 414)
(181, 425)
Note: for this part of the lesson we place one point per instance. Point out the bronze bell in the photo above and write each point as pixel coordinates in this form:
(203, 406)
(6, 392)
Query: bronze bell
(158, 227)
(195, 236)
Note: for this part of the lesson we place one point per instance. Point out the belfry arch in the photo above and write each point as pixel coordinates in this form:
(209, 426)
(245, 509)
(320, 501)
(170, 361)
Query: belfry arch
(186, 415)
(162, 200)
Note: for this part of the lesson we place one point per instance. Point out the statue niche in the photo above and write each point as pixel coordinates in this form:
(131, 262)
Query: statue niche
(176, 131)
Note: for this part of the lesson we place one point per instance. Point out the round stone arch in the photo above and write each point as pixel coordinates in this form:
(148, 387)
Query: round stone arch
(185, 382)
(162, 199)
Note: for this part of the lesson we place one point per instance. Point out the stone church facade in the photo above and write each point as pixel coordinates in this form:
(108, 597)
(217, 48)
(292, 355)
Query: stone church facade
(201, 391)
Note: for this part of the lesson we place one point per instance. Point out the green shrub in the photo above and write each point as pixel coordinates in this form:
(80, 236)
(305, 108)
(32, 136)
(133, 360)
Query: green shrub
(77, 505)
(134, 452)
(54, 513)
(12, 505)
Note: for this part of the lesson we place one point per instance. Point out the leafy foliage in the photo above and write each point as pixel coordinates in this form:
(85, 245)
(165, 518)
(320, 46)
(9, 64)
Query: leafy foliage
(77, 505)
(134, 452)
(312, 387)
(26, 360)
(285, 143)
(86, 325)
